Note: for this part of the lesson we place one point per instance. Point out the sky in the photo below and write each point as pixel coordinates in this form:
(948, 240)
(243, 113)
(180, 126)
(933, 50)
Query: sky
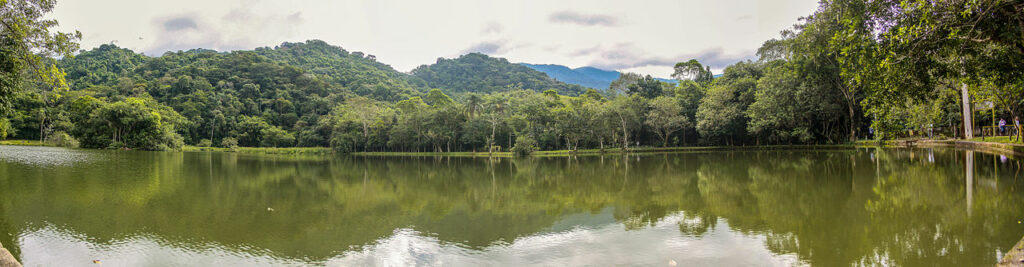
(644, 36)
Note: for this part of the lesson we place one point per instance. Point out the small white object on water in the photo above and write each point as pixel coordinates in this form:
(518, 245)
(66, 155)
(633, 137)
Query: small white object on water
(270, 209)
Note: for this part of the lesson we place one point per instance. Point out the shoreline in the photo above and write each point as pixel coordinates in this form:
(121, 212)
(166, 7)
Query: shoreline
(991, 147)
(994, 147)
(609, 151)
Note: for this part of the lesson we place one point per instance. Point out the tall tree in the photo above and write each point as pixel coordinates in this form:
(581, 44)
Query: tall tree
(628, 112)
(625, 80)
(363, 111)
(694, 71)
(27, 45)
(648, 87)
(665, 117)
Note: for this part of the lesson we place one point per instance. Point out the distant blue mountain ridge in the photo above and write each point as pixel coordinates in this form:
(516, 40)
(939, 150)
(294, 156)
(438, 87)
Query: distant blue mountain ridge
(585, 76)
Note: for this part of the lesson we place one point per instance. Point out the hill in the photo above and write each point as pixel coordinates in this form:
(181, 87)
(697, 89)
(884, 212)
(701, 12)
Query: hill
(480, 73)
(268, 96)
(584, 76)
(359, 72)
(592, 79)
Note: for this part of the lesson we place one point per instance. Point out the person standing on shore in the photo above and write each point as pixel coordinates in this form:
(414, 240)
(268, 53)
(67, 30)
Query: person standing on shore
(1002, 126)
(1016, 125)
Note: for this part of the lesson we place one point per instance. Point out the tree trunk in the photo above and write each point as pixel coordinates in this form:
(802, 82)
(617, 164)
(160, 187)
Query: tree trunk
(625, 135)
(853, 122)
(968, 120)
(366, 137)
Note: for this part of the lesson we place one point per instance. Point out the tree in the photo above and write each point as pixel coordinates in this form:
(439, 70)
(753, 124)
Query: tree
(496, 113)
(251, 131)
(133, 123)
(689, 95)
(665, 117)
(362, 111)
(628, 110)
(694, 71)
(626, 79)
(721, 116)
(437, 98)
(27, 44)
(276, 137)
(647, 87)
(777, 112)
(5, 128)
(571, 123)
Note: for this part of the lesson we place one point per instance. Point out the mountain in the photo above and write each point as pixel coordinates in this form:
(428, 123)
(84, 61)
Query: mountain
(591, 77)
(359, 72)
(584, 76)
(480, 73)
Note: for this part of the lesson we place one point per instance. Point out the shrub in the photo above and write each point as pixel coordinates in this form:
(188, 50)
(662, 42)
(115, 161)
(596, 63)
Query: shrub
(6, 129)
(229, 142)
(60, 138)
(525, 145)
(204, 143)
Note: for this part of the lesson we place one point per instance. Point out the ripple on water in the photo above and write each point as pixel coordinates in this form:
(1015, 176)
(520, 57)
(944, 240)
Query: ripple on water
(43, 156)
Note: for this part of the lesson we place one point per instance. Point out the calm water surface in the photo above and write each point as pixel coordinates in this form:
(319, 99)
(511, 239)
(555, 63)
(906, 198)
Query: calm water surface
(906, 207)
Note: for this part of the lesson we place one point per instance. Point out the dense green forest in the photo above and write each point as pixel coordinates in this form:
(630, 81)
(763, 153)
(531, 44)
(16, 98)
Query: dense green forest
(888, 66)
(475, 72)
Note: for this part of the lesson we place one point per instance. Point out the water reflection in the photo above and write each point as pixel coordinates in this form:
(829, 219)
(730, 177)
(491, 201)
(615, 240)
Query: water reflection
(834, 207)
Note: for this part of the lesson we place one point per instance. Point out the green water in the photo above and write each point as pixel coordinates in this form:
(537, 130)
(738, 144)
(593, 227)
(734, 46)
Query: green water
(902, 207)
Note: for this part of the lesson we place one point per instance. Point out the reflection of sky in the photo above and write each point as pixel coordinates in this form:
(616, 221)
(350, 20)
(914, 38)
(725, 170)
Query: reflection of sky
(605, 243)
(44, 156)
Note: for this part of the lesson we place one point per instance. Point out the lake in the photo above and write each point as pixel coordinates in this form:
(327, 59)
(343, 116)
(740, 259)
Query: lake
(838, 207)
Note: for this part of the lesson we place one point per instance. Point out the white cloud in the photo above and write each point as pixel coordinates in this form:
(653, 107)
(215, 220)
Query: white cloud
(583, 19)
(645, 35)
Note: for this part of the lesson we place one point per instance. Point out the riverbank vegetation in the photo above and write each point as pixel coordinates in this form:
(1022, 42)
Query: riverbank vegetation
(852, 70)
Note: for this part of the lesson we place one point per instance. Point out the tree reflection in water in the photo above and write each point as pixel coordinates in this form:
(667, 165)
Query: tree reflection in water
(827, 207)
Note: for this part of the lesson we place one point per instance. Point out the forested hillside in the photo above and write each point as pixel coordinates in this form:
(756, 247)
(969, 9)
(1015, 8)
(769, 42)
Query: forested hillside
(480, 73)
(275, 97)
(358, 72)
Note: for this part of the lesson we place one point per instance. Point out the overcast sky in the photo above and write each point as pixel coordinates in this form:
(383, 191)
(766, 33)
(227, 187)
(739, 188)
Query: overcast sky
(640, 36)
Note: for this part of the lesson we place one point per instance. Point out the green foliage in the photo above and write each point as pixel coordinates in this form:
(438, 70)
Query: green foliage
(647, 87)
(694, 71)
(666, 117)
(62, 139)
(132, 123)
(229, 142)
(204, 143)
(789, 108)
(721, 116)
(625, 80)
(275, 137)
(359, 73)
(27, 46)
(6, 128)
(475, 72)
(525, 145)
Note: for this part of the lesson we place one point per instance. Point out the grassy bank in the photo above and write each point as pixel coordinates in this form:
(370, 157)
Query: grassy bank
(634, 150)
(24, 143)
(264, 150)
(546, 153)
(997, 139)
